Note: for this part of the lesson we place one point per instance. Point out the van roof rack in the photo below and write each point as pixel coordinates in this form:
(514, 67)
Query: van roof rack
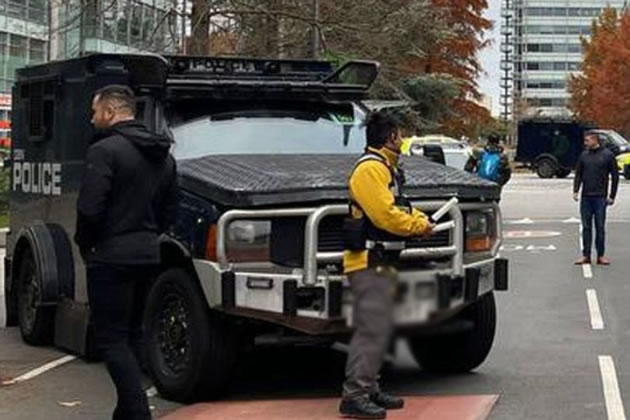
(194, 75)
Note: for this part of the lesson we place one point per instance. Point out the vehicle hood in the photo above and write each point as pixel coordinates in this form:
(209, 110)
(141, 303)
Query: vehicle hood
(267, 180)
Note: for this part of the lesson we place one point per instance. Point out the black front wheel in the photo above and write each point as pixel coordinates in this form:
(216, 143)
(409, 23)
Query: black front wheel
(37, 322)
(191, 353)
(546, 168)
(461, 351)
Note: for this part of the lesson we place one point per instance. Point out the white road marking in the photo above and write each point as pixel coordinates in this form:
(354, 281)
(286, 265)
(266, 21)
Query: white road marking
(152, 392)
(38, 371)
(571, 220)
(597, 322)
(614, 404)
(587, 270)
(541, 248)
(581, 238)
(525, 221)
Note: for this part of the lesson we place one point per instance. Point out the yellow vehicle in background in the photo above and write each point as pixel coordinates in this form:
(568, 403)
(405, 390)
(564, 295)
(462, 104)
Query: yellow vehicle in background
(620, 147)
(623, 163)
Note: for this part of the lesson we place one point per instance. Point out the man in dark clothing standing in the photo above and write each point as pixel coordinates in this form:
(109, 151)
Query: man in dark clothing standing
(127, 199)
(595, 166)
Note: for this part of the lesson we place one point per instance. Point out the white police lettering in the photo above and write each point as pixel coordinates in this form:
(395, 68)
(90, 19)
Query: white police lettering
(37, 177)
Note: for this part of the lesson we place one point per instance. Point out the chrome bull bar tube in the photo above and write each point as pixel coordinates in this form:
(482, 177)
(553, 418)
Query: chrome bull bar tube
(315, 215)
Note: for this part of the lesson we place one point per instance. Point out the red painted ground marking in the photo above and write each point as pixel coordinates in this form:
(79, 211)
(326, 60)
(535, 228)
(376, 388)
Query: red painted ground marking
(460, 407)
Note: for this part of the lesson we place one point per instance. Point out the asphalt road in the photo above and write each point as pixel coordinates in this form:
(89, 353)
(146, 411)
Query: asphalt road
(552, 356)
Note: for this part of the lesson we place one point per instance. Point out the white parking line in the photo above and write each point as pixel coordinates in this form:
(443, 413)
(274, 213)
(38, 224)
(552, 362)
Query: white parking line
(38, 371)
(587, 270)
(614, 404)
(597, 322)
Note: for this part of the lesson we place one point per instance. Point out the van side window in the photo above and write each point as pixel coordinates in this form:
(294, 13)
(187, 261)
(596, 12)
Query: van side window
(39, 98)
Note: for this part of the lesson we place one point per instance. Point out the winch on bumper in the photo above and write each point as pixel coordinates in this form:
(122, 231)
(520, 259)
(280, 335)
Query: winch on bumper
(315, 297)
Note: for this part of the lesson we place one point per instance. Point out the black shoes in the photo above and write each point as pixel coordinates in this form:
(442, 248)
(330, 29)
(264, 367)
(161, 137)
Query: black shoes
(370, 408)
(388, 402)
(361, 408)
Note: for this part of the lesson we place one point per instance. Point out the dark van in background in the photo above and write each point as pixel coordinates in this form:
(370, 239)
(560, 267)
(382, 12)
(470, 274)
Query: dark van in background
(550, 147)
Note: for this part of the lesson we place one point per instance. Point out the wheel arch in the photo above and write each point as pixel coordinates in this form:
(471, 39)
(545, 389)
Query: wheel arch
(52, 252)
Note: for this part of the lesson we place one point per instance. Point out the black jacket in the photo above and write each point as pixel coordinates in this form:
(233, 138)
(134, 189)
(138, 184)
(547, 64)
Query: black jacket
(592, 172)
(128, 196)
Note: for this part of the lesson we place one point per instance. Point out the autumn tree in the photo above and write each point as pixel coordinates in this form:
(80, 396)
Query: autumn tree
(457, 56)
(427, 46)
(598, 52)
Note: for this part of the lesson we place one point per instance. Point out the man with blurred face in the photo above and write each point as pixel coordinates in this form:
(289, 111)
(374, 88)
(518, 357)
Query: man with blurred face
(380, 221)
(594, 169)
(127, 199)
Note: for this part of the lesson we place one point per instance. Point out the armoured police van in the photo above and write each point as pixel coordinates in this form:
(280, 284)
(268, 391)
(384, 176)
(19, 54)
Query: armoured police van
(264, 150)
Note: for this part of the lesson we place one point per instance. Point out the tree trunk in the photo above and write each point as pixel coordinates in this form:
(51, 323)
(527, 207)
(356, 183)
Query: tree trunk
(200, 30)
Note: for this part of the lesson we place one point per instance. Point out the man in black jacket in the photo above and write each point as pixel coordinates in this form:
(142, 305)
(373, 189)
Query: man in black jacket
(594, 168)
(127, 199)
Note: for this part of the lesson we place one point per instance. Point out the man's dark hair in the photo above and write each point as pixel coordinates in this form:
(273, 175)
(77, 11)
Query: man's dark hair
(591, 133)
(379, 127)
(119, 96)
(494, 138)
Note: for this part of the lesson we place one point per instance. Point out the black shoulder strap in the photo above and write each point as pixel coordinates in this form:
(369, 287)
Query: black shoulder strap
(369, 156)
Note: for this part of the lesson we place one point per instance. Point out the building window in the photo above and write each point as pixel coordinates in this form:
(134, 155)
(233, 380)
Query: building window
(109, 21)
(554, 48)
(546, 84)
(91, 19)
(552, 66)
(17, 46)
(16, 8)
(148, 28)
(123, 15)
(37, 51)
(136, 24)
(4, 43)
(37, 11)
(557, 30)
(563, 11)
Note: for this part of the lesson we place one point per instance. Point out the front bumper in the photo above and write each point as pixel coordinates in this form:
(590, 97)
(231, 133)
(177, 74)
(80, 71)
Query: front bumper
(314, 293)
(423, 295)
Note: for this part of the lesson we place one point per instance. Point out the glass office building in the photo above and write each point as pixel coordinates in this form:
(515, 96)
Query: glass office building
(23, 37)
(540, 49)
(34, 31)
(114, 26)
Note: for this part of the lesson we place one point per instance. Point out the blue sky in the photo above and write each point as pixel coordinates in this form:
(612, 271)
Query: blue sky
(490, 57)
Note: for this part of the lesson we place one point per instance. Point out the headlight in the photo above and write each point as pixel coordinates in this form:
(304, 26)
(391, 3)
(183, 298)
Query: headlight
(248, 241)
(480, 232)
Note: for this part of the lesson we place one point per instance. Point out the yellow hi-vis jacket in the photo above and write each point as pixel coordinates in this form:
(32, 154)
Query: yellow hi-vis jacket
(370, 189)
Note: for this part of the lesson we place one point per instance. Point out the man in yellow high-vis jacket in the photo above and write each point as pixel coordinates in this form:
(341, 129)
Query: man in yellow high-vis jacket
(379, 223)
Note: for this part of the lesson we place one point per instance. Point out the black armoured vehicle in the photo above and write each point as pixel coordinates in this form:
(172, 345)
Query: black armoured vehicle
(264, 149)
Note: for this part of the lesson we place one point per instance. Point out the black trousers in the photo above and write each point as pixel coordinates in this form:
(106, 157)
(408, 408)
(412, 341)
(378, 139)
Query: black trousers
(117, 296)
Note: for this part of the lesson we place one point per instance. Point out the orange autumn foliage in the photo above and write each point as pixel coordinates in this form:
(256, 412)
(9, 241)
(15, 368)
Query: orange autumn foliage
(457, 55)
(601, 94)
